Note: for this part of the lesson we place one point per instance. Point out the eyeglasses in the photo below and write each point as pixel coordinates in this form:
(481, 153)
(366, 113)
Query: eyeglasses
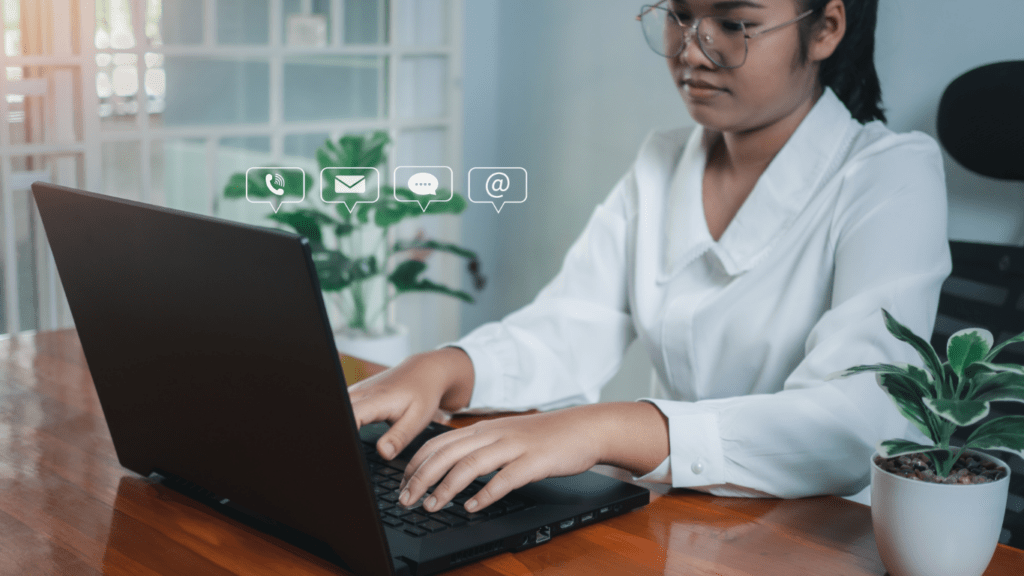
(722, 40)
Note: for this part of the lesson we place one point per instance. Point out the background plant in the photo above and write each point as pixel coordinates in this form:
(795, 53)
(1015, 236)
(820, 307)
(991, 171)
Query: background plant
(356, 256)
(942, 397)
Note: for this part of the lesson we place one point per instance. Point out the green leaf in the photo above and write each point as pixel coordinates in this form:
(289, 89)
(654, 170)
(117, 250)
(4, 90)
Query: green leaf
(899, 447)
(235, 187)
(924, 349)
(906, 395)
(1003, 433)
(992, 353)
(337, 271)
(959, 412)
(403, 245)
(966, 347)
(404, 278)
(998, 386)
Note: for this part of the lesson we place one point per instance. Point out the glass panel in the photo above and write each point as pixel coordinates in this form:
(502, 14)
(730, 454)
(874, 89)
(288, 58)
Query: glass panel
(304, 146)
(243, 22)
(333, 87)
(302, 28)
(178, 172)
(422, 148)
(236, 155)
(122, 162)
(114, 25)
(421, 22)
(215, 91)
(178, 22)
(422, 83)
(365, 21)
(12, 27)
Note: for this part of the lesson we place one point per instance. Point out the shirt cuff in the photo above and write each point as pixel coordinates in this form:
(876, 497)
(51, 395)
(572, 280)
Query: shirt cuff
(662, 474)
(695, 456)
(487, 395)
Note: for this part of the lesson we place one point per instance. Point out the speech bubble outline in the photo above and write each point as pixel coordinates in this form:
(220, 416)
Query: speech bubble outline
(282, 201)
(346, 199)
(425, 200)
(498, 202)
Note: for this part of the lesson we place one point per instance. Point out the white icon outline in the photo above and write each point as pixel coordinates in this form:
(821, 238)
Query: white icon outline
(424, 206)
(281, 198)
(345, 200)
(498, 202)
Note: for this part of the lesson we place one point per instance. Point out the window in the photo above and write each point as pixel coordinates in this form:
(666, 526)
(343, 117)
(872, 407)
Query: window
(162, 100)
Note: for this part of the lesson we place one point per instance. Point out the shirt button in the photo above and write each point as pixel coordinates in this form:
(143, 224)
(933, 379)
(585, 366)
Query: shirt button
(697, 467)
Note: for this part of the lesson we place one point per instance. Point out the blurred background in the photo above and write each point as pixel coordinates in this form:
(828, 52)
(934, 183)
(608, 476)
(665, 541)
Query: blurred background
(162, 100)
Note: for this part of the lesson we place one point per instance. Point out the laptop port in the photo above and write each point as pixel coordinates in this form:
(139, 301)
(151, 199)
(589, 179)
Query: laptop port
(586, 517)
(567, 523)
(543, 534)
(604, 510)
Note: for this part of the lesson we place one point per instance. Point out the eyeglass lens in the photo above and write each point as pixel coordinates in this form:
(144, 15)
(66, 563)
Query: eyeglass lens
(722, 40)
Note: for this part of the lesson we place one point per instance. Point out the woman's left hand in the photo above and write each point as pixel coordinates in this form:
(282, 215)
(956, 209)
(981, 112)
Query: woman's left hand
(524, 448)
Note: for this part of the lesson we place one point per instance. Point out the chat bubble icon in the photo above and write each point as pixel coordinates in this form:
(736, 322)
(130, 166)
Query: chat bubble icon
(497, 186)
(275, 185)
(349, 186)
(424, 184)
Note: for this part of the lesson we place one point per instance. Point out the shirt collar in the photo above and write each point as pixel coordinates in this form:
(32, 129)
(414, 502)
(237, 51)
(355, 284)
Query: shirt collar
(804, 164)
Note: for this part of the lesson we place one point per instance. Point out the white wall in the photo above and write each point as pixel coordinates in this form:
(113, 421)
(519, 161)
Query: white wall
(568, 89)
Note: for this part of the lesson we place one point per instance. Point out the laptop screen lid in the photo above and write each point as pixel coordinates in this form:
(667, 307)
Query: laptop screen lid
(214, 361)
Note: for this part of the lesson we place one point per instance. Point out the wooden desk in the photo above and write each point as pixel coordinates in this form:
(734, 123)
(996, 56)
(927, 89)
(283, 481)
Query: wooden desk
(67, 507)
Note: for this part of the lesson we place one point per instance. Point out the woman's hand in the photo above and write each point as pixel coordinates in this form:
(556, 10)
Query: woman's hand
(409, 395)
(632, 435)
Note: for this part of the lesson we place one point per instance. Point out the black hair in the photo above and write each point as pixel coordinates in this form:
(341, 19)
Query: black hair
(850, 70)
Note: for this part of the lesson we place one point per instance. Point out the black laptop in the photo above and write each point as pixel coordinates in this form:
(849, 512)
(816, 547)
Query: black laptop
(216, 368)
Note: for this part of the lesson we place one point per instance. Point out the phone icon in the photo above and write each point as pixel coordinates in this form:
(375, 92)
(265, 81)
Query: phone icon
(272, 179)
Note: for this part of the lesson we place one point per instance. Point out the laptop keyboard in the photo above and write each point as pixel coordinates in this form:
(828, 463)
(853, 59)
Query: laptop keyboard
(415, 521)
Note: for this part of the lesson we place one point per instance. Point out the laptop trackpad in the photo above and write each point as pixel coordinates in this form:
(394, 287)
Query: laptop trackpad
(570, 489)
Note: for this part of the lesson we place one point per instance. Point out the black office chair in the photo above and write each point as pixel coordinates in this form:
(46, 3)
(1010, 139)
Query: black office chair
(981, 125)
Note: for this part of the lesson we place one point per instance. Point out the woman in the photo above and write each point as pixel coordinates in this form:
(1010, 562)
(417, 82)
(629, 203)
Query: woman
(751, 257)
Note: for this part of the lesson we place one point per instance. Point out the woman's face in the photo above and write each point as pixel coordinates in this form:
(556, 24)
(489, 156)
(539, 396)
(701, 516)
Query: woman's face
(771, 83)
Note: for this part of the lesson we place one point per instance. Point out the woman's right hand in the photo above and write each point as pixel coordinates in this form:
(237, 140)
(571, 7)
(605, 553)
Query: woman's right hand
(409, 395)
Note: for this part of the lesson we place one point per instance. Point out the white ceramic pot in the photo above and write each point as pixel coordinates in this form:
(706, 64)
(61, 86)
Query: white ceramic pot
(928, 529)
(389, 349)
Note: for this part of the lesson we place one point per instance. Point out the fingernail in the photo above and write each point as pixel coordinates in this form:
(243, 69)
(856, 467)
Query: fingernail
(472, 504)
(430, 503)
(401, 485)
(388, 450)
(404, 498)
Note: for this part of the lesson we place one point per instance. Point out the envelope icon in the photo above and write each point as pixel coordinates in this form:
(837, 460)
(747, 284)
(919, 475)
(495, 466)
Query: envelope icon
(353, 184)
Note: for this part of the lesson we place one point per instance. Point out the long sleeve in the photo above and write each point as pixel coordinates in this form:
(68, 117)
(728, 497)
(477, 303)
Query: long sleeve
(887, 234)
(563, 347)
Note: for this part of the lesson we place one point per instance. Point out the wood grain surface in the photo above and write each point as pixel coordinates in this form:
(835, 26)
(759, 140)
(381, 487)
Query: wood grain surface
(68, 507)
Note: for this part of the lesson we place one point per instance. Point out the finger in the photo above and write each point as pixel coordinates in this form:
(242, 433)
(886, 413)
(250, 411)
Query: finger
(516, 474)
(433, 462)
(429, 448)
(404, 428)
(481, 461)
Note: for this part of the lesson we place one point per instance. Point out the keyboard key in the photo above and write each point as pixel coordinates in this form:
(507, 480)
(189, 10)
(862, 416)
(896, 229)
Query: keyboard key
(392, 521)
(415, 518)
(384, 505)
(390, 484)
(389, 497)
(398, 512)
(433, 526)
(449, 519)
(414, 531)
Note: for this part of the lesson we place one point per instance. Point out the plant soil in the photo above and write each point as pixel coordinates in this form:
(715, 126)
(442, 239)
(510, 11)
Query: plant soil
(966, 470)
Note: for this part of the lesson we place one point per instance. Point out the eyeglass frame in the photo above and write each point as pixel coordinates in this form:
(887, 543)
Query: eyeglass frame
(696, 24)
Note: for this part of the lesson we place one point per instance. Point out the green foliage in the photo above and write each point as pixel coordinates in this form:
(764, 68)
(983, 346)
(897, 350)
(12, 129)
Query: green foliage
(327, 227)
(944, 396)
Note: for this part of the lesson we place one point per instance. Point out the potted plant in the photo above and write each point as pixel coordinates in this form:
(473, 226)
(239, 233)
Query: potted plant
(938, 510)
(361, 264)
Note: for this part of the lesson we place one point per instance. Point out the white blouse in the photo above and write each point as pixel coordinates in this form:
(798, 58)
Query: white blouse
(846, 220)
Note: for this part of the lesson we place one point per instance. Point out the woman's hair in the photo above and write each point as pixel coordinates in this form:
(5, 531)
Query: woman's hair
(850, 70)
